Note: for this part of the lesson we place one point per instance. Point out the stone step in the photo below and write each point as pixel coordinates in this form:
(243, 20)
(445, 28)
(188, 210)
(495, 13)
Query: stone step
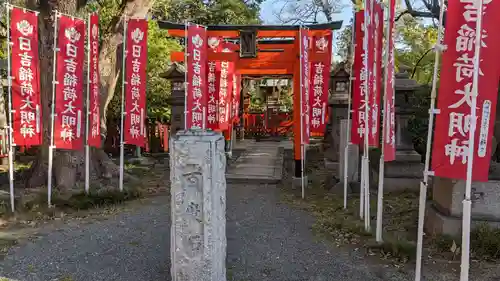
(258, 164)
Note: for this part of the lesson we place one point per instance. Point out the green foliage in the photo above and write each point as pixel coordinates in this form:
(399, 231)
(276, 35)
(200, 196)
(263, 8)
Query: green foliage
(160, 46)
(108, 10)
(158, 89)
(95, 199)
(413, 43)
(419, 121)
(344, 41)
(208, 12)
(485, 242)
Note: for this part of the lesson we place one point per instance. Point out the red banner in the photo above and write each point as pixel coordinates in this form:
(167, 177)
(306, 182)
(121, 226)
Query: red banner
(27, 114)
(226, 89)
(389, 107)
(359, 72)
(213, 80)
(68, 133)
(304, 82)
(135, 85)
(236, 97)
(197, 98)
(319, 83)
(451, 141)
(375, 59)
(94, 137)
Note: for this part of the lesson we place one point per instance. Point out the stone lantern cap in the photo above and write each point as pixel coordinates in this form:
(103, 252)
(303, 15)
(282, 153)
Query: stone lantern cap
(405, 88)
(403, 82)
(340, 71)
(339, 86)
(174, 71)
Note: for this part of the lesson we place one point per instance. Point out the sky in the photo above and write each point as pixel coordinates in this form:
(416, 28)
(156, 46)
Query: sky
(269, 8)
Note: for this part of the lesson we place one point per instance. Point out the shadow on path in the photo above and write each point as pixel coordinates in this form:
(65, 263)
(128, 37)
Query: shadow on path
(266, 241)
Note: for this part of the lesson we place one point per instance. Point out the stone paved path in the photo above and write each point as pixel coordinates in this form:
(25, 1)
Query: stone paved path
(267, 240)
(262, 162)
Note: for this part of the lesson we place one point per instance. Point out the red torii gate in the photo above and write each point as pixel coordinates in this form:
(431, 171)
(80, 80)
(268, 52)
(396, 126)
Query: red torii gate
(264, 50)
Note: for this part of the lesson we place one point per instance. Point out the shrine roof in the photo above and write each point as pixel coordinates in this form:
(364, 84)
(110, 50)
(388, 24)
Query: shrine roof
(334, 25)
(175, 70)
(340, 70)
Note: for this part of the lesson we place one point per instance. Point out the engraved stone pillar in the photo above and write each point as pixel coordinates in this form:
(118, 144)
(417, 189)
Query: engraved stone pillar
(198, 189)
(352, 156)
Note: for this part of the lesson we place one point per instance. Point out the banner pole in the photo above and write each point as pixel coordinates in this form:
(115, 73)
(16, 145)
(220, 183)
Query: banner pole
(467, 203)
(362, 188)
(366, 161)
(204, 110)
(365, 132)
(232, 142)
(301, 118)
(304, 171)
(349, 105)
(124, 82)
(438, 48)
(186, 25)
(302, 165)
(380, 194)
(87, 148)
(10, 128)
(53, 113)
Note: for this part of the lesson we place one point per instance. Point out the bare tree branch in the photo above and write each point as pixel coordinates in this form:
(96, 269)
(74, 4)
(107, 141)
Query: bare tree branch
(432, 6)
(419, 60)
(405, 12)
(326, 8)
(306, 11)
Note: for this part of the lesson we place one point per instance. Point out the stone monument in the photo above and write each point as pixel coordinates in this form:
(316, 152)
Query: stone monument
(352, 157)
(406, 171)
(198, 190)
(176, 74)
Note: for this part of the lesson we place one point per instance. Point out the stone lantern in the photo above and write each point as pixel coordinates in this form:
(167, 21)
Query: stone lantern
(335, 135)
(338, 102)
(407, 170)
(176, 73)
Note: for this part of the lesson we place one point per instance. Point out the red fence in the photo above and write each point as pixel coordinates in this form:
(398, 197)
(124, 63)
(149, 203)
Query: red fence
(281, 124)
(157, 135)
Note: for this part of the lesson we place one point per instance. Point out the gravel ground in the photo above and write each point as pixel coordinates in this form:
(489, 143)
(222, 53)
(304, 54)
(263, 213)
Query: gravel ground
(266, 241)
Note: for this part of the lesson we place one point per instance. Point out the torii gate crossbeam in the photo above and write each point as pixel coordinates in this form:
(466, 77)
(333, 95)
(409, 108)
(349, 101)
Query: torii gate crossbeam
(277, 52)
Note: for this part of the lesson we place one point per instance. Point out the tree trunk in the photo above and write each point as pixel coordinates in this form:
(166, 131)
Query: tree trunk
(69, 166)
(3, 127)
(111, 51)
